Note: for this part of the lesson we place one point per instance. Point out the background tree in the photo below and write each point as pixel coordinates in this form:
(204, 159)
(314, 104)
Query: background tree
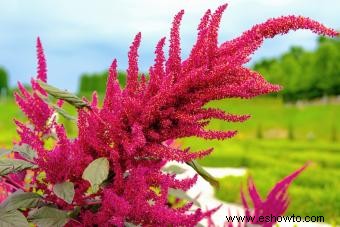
(3, 80)
(90, 82)
(305, 74)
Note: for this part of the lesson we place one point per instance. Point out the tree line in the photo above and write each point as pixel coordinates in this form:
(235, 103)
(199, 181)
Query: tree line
(97, 81)
(3, 80)
(305, 74)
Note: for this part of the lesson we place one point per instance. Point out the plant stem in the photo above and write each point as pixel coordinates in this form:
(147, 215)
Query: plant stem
(13, 183)
(90, 203)
(10, 185)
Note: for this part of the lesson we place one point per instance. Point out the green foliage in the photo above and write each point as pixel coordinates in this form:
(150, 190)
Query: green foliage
(97, 172)
(305, 75)
(291, 135)
(334, 134)
(3, 79)
(64, 95)
(259, 132)
(26, 151)
(65, 191)
(12, 218)
(9, 165)
(97, 82)
(49, 217)
(274, 117)
(20, 199)
(9, 214)
(203, 173)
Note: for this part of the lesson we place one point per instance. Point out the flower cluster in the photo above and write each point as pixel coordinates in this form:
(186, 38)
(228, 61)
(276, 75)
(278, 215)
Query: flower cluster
(127, 133)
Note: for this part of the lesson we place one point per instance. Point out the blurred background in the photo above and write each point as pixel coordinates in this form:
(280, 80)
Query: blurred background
(298, 124)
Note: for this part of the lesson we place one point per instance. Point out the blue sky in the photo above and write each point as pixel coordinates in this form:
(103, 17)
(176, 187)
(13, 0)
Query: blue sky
(84, 36)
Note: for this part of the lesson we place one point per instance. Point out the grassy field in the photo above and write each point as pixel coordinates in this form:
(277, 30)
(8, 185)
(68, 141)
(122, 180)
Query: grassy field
(276, 120)
(277, 140)
(316, 190)
(8, 111)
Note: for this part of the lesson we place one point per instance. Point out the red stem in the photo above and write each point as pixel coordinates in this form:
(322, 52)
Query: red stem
(10, 185)
(93, 203)
(14, 183)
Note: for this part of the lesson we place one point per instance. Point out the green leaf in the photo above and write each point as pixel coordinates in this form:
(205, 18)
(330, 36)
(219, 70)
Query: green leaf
(26, 151)
(65, 191)
(49, 217)
(129, 224)
(203, 173)
(64, 95)
(10, 165)
(63, 113)
(20, 199)
(4, 152)
(12, 218)
(76, 211)
(96, 172)
(183, 195)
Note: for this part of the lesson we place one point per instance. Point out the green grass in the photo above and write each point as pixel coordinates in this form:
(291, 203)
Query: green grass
(312, 122)
(8, 111)
(315, 192)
